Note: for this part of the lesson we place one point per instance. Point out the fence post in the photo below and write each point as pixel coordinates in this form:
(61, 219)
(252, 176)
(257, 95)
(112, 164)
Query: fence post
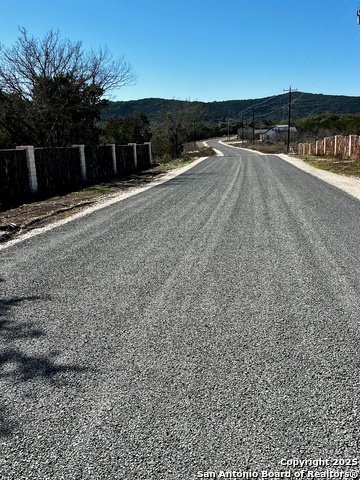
(30, 159)
(150, 152)
(336, 145)
(135, 154)
(350, 145)
(113, 152)
(82, 162)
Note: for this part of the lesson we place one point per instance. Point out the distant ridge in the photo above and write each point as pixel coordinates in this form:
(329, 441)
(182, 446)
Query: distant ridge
(268, 108)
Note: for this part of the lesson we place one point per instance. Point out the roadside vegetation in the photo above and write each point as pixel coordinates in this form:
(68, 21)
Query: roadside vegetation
(269, 148)
(335, 165)
(52, 91)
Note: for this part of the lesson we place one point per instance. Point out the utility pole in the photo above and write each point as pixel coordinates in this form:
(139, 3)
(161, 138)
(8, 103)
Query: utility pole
(253, 128)
(289, 122)
(242, 129)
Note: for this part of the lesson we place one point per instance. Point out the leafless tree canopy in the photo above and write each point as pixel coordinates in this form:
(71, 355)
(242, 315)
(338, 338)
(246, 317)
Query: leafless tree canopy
(52, 92)
(29, 59)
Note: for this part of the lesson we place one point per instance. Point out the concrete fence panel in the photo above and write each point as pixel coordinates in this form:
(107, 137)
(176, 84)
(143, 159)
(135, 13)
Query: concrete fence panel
(125, 159)
(14, 178)
(27, 173)
(58, 170)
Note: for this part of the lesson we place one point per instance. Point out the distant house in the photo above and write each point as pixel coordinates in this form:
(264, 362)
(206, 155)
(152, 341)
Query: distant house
(259, 134)
(271, 134)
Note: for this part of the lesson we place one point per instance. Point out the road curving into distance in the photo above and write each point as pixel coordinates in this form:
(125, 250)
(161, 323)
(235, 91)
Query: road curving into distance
(209, 324)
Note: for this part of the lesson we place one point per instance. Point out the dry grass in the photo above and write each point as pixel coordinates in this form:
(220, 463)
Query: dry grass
(348, 166)
(270, 148)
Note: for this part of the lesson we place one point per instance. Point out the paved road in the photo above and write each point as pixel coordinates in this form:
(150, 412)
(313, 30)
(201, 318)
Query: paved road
(210, 323)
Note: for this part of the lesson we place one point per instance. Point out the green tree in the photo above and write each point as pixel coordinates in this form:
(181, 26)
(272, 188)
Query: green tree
(131, 129)
(52, 91)
(74, 113)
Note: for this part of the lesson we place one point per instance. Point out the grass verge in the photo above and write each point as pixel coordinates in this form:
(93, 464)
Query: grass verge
(349, 166)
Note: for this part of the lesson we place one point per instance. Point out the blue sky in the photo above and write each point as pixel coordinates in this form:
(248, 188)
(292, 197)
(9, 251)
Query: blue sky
(209, 50)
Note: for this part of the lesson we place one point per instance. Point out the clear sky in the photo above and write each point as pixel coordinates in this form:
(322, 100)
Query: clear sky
(209, 50)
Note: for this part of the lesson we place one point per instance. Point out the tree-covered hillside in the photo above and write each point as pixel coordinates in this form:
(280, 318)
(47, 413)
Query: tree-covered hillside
(266, 110)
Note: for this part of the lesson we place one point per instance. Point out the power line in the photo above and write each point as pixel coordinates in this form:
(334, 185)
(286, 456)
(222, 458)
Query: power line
(289, 122)
(268, 114)
(259, 104)
(320, 41)
(335, 59)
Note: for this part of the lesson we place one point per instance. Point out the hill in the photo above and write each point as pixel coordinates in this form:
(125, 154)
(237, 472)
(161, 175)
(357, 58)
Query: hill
(273, 109)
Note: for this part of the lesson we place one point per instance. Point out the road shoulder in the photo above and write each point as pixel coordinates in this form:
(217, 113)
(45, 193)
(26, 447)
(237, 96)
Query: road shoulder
(350, 185)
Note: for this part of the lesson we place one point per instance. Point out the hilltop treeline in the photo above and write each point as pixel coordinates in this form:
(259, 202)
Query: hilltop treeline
(270, 109)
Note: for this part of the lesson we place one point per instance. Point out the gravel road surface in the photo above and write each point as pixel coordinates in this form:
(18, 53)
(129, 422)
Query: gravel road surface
(208, 324)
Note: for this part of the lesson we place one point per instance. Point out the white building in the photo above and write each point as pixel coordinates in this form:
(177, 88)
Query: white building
(272, 133)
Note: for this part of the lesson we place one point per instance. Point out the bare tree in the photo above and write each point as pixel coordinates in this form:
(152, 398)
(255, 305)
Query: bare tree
(29, 59)
(36, 73)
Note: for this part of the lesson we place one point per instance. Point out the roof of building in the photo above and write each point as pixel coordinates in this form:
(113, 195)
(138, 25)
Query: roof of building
(285, 127)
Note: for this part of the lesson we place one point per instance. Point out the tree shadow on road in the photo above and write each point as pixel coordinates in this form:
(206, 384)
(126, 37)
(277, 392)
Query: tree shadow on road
(6, 425)
(11, 330)
(17, 365)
